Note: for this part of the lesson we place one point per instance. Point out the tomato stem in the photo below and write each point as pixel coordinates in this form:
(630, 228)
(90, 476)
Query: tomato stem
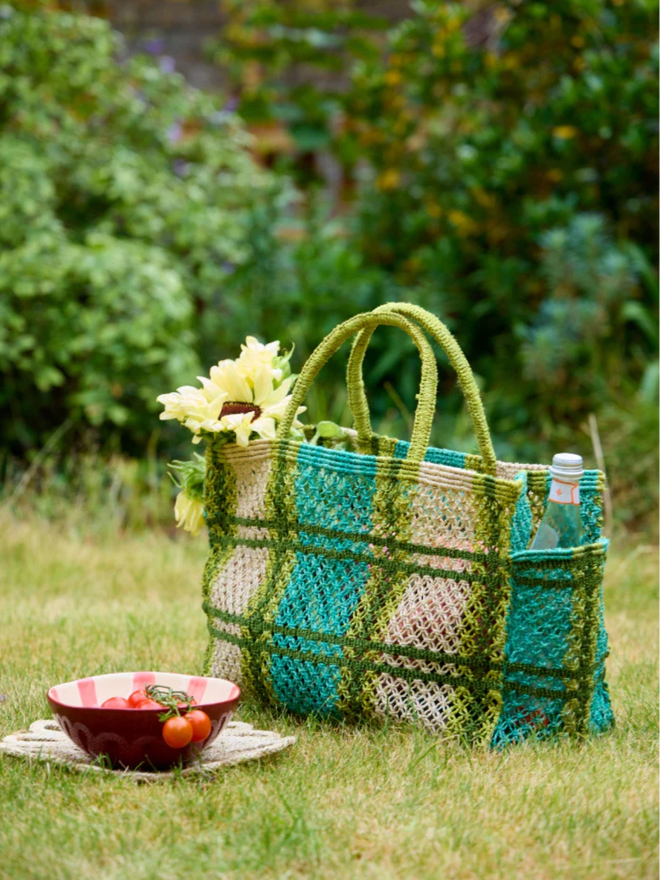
(172, 701)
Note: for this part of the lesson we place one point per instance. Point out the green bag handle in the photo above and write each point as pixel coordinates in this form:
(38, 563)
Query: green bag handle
(421, 433)
(434, 326)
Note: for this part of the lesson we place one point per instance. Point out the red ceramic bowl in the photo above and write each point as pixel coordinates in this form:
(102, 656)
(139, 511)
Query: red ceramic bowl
(132, 738)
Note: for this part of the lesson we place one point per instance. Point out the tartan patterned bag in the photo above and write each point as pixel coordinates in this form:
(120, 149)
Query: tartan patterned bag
(392, 579)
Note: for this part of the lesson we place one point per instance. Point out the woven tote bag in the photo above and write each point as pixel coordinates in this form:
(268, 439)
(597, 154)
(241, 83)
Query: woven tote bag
(375, 578)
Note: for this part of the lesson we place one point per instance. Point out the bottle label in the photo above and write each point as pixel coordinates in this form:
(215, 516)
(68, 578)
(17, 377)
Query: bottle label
(564, 493)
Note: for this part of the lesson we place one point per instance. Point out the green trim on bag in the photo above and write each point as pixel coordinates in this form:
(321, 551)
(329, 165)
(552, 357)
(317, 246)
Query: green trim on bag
(220, 491)
(394, 567)
(386, 563)
(421, 434)
(391, 515)
(256, 627)
(473, 685)
(265, 601)
(356, 537)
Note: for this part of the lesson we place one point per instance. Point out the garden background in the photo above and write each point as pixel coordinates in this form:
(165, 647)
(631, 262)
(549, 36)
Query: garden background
(495, 163)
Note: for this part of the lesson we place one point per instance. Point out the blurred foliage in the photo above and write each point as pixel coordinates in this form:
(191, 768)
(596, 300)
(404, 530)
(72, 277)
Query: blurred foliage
(498, 166)
(487, 121)
(494, 163)
(91, 491)
(268, 50)
(125, 202)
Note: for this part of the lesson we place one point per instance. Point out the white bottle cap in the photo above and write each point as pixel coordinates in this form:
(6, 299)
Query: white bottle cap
(568, 466)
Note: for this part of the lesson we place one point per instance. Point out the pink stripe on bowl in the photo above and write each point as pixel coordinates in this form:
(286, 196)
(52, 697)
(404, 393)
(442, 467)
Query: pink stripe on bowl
(197, 687)
(87, 691)
(142, 679)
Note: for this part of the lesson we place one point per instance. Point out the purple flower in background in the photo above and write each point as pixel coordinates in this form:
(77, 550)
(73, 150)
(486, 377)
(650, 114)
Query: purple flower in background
(174, 132)
(154, 47)
(228, 267)
(181, 167)
(166, 64)
(230, 105)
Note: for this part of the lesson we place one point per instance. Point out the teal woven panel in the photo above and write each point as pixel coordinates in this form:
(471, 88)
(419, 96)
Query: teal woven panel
(546, 627)
(447, 457)
(326, 498)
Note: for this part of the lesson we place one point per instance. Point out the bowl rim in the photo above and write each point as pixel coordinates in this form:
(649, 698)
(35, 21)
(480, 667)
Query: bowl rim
(58, 702)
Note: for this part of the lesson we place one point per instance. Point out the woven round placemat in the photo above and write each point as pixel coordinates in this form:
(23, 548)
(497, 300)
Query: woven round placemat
(238, 742)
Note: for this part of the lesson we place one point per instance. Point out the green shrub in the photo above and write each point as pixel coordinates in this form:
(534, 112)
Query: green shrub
(478, 130)
(500, 168)
(499, 165)
(125, 200)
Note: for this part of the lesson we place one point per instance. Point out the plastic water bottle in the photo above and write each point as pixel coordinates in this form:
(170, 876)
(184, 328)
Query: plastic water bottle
(561, 525)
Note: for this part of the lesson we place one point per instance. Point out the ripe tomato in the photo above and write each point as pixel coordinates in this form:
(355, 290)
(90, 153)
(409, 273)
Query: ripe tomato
(115, 703)
(201, 724)
(149, 704)
(136, 698)
(177, 732)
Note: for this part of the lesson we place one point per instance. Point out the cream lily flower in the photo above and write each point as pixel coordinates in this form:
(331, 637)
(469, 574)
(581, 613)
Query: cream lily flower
(254, 352)
(265, 394)
(231, 381)
(242, 424)
(191, 406)
(189, 513)
(272, 402)
(245, 397)
(269, 404)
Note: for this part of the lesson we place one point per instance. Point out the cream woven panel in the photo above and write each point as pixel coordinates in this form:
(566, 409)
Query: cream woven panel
(246, 569)
(231, 591)
(430, 613)
(428, 617)
(237, 743)
(252, 472)
(507, 470)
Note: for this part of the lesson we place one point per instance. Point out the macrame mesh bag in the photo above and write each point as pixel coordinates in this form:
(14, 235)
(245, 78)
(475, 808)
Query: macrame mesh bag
(392, 579)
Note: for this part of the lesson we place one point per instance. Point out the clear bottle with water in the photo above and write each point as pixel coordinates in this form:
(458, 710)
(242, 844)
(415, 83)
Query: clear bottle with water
(561, 525)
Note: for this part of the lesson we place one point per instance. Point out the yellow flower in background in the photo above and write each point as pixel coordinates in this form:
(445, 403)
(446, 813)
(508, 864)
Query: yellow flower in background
(491, 59)
(511, 61)
(463, 224)
(188, 513)
(483, 198)
(393, 77)
(389, 179)
(452, 22)
(565, 132)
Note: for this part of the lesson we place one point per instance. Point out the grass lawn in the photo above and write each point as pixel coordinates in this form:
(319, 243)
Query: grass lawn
(354, 803)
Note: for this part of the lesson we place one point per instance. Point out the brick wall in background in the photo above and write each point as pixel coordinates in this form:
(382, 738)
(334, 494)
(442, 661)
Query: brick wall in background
(178, 29)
